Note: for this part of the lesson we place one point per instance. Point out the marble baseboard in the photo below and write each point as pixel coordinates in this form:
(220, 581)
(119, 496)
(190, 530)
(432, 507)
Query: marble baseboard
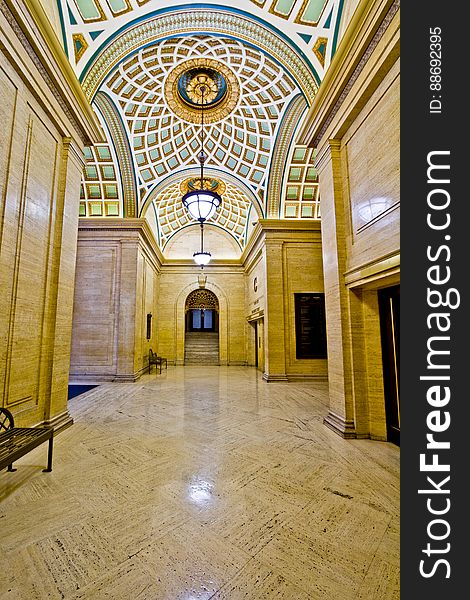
(90, 378)
(296, 377)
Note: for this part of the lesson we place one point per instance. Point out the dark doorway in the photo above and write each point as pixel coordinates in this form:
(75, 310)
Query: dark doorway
(389, 308)
(202, 320)
(256, 344)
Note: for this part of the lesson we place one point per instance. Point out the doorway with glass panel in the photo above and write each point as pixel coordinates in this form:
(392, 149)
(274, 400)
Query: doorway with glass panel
(201, 328)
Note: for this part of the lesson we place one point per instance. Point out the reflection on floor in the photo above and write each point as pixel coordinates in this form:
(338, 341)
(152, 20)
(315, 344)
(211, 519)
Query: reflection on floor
(197, 484)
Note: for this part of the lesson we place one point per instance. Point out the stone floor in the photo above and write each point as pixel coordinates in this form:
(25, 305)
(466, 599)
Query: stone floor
(193, 485)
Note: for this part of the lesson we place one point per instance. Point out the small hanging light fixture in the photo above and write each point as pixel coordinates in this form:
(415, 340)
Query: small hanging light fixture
(201, 204)
(202, 258)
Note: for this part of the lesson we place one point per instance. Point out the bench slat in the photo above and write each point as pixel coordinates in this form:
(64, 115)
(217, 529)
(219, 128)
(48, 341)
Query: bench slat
(18, 441)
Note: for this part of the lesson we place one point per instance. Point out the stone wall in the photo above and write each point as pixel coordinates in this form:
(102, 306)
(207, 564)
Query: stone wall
(41, 141)
(122, 276)
(285, 258)
(116, 286)
(357, 138)
(176, 283)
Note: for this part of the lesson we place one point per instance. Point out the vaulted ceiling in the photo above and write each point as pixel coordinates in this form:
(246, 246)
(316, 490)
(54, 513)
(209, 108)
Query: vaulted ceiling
(131, 57)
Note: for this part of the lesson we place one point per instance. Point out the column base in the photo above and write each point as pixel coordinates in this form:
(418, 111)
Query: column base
(342, 427)
(310, 378)
(59, 422)
(273, 377)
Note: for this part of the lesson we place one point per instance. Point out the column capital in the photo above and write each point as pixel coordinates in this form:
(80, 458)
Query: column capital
(326, 153)
(73, 151)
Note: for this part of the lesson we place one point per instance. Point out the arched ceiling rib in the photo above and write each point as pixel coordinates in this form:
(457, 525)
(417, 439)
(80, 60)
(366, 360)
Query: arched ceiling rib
(310, 26)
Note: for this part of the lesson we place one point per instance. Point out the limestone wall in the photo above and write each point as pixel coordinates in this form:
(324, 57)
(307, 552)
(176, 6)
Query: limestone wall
(357, 139)
(116, 286)
(303, 274)
(40, 167)
(370, 163)
(255, 305)
(284, 258)
(146, 303)
(121, 277)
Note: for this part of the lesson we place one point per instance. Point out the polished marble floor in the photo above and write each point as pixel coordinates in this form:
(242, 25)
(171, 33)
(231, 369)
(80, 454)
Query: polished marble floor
(197, 484)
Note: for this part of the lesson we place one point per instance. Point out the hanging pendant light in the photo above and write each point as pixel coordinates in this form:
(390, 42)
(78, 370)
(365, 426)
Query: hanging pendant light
(202, 258)
(201, 204)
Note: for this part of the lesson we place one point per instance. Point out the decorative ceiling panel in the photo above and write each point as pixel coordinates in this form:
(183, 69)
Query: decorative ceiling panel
(300, 197)
(165, 140)
(101, 187)
(137, 61)
(231, 216)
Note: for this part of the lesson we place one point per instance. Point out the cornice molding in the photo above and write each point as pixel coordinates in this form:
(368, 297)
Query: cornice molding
(266, 230)
(33, 31)
(120, 227)
(367, 28)
(289, 225)
(368, 272)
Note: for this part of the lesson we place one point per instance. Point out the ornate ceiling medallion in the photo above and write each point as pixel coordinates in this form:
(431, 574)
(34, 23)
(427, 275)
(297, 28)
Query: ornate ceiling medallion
(191, 85)
(183, 90)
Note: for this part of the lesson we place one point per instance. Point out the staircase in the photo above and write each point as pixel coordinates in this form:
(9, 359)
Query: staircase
(201, 348)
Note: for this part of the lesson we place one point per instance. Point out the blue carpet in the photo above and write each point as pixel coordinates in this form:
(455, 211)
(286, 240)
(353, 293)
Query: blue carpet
(76, 390)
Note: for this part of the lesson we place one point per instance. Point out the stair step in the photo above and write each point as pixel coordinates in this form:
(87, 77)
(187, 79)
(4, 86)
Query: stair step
(201, 348)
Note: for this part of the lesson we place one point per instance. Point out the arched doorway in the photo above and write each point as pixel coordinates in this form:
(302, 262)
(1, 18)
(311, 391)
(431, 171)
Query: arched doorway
(201, 328)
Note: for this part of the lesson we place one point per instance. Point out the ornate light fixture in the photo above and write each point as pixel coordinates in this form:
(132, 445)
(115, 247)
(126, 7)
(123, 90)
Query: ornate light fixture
(201, 203)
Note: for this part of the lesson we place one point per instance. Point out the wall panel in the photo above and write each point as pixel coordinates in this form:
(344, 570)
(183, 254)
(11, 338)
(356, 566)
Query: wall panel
(95, 307)
(27, 335)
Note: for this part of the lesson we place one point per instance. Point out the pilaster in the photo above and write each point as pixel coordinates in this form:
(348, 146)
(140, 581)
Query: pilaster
(64, 258)
(274, 320)
(340, 417)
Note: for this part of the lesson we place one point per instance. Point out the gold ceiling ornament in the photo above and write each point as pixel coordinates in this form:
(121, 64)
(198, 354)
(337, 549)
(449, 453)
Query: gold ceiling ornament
(209, 183)
(199, 83)
(182, 90)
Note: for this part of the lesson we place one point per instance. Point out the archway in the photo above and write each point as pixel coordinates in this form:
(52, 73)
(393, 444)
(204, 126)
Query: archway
(201, 328)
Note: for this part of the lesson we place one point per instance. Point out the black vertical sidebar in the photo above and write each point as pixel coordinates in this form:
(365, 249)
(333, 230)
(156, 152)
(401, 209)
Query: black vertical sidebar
(435, 331)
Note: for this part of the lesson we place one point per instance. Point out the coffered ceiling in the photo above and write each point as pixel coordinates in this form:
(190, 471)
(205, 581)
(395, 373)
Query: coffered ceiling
(131, 56)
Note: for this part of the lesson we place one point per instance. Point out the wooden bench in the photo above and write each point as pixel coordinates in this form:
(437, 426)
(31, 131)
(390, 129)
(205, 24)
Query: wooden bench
(156, 360)
(15, 442)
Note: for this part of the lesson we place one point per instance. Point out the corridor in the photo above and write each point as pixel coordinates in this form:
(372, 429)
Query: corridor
(202, 483)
